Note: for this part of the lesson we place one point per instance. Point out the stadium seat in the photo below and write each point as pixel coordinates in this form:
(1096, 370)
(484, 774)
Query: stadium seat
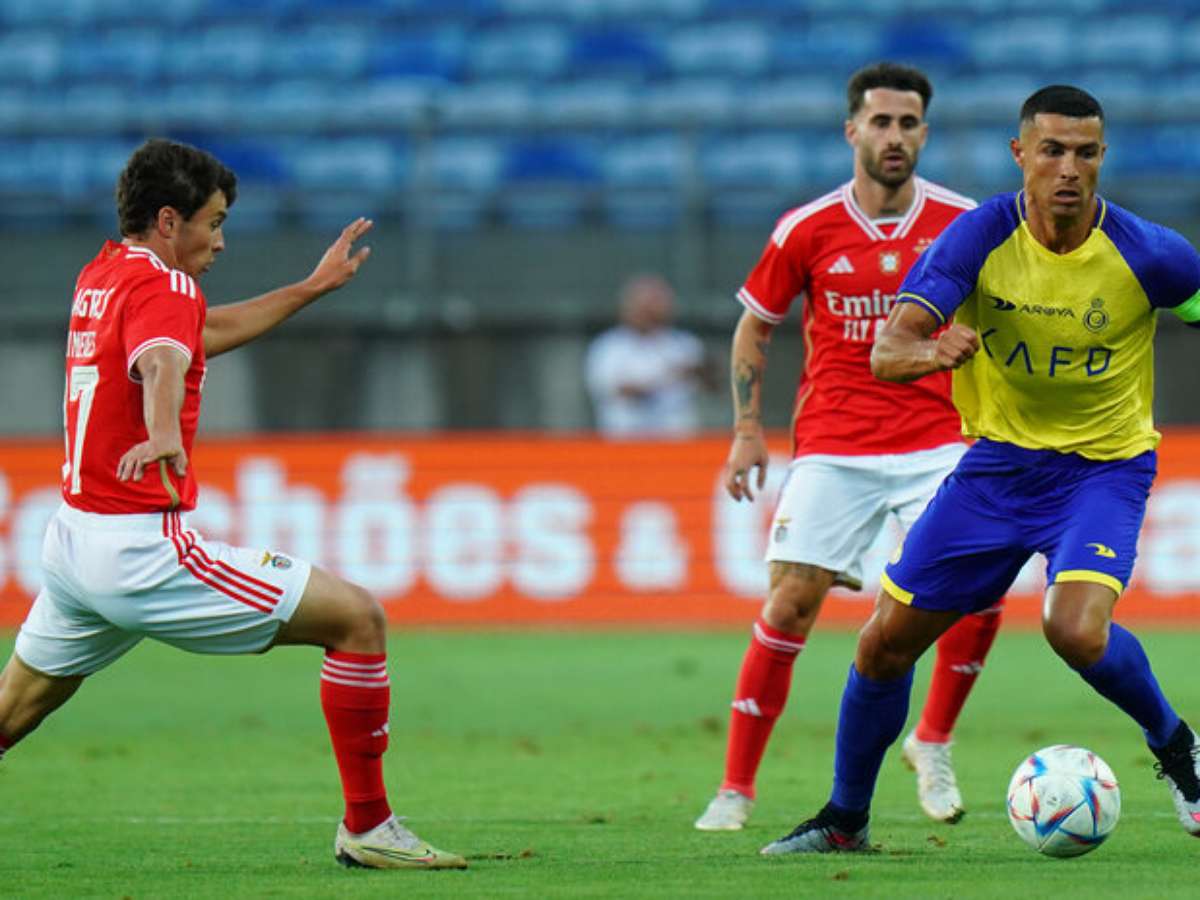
(434, 53)
(548, 180)
(586, 103)
(532, 51)
(326, 51)
(1146, 42)
(727, 48)
(1032, 41)
(816, 47)
(235, 52)
(766, 159)
(627, 51)
(709, 102)
(125, 55)
(985, 97)
(926, 42)
(360, 164)
(30, 56)
(769, 102)
(491, 104)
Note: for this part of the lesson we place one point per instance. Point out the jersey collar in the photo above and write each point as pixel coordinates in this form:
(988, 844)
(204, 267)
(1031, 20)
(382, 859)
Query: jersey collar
(868, 225)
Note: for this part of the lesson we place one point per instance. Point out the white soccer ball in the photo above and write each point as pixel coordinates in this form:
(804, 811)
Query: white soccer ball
(1064, 800)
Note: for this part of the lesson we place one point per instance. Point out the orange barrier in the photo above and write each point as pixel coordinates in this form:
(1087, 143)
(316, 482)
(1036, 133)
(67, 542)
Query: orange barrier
(500, 529)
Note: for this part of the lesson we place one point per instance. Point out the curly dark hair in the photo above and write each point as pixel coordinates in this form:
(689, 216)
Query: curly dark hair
(167, 173)
(887, 75)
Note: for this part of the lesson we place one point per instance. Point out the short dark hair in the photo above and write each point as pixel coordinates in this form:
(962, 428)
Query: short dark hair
(887, 75)
(1061, 100)
(167, 173)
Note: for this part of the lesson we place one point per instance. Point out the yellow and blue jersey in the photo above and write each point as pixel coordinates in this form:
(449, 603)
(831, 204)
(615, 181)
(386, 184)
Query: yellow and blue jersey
(1066, 361)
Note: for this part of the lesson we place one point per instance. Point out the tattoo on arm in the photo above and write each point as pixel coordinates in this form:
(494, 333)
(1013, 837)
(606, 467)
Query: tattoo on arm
(746, 378)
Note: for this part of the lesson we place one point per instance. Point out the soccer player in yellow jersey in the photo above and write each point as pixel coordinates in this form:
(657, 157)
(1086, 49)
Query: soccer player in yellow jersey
(1051, 296)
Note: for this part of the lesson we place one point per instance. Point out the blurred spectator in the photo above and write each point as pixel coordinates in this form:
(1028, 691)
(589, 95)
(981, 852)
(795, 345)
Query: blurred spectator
(643, 375)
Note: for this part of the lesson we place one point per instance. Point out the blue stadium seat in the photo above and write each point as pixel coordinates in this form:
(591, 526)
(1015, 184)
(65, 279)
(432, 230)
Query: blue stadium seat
(1034, 41)
(927, 42)
(688, 101)
(1121, 91)
(775, 101)
(728, 48)
(645, 180)
(235, 52)
(491, 104)
(333, 51)
(400, 102)
(816, 47)
(1147, 42)
(625, 50)
(103, 108)
(608, 102)
(30, 57)
(203, 105)
(548, 182)
(763, 159)
(351, 164)
(987, 97)
(298, 105)
(126, 55)
(467, 163)
(435, 53)
(531, 51)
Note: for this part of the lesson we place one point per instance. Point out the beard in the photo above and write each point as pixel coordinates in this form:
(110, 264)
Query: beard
(889, 179)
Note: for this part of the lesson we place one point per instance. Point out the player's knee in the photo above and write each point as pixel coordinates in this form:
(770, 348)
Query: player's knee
(1078, 643)
(794, 598)
(365, 622)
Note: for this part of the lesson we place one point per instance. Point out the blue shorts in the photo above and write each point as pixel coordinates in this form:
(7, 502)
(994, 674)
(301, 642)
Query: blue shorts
(1002, 504)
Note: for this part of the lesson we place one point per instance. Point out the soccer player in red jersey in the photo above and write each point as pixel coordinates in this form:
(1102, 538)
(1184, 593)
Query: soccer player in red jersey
(119, 560)
(863, 449)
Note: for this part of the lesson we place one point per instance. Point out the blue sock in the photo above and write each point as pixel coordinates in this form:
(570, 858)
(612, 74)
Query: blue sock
(872, 717)
(1123, 676)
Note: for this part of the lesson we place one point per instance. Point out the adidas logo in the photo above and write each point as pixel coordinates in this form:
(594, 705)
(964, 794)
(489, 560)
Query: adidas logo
(380, 732)
(748, 706)
(971, 668)
(841, 267)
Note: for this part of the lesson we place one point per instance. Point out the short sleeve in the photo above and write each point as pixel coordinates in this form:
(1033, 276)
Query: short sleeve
(1166, 265)
(946, 274)
(778, 277)
(157, 314)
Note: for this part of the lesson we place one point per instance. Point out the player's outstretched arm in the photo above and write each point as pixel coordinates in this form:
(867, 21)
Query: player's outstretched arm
(162, 370)
(234, 324)
(906, 350)
(748, 363)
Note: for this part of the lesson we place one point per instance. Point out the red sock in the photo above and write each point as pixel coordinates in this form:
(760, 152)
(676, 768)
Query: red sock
(355, 697)
(960, 655)
(761, 693)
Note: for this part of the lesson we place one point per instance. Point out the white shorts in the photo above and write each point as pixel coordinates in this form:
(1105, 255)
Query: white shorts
(832, 508)
(110, 580)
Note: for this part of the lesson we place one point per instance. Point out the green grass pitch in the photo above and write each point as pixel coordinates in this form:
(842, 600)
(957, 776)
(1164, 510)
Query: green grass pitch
(563, 765)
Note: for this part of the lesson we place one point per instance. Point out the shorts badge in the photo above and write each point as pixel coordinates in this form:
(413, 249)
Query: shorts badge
(276, 560)
(781, 531)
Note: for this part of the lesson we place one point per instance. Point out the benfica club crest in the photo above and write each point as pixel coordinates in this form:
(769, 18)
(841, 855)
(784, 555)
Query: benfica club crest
(922, 245)
(889, 262)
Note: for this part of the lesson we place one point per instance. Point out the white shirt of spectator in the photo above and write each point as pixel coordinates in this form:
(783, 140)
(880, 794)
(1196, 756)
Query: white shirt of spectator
(662, 363)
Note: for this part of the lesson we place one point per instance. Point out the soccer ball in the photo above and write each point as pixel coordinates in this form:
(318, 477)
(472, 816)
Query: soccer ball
(1064, 800)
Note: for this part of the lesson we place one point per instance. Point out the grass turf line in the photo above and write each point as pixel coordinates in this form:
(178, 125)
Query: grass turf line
(561, 764)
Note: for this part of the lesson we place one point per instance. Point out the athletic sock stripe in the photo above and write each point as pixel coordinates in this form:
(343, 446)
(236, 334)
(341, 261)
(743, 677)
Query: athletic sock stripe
(350, 682)
(776, 643)
(353, 666)
(372, 675)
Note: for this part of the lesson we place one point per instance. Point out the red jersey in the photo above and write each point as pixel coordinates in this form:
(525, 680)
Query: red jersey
(127, 300)
(849, 268)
